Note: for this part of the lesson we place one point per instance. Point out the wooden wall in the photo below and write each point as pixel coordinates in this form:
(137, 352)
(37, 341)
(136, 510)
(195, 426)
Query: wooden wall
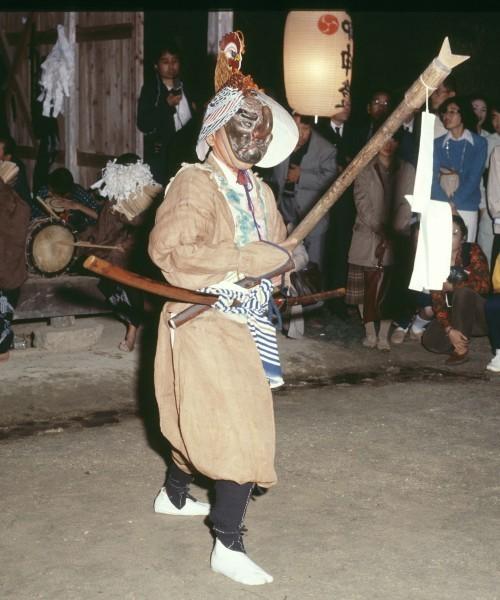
(99, 120)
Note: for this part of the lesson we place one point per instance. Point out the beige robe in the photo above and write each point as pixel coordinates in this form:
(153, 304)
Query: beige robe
(214, 400)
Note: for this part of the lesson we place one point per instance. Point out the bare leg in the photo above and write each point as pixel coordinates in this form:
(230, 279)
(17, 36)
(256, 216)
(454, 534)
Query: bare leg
(383, 334)
(127, 345)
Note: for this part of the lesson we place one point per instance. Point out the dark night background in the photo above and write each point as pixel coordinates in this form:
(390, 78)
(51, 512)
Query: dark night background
(391, 49)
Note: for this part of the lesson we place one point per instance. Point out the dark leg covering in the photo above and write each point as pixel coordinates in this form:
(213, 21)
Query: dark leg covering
(228, 512)
(177, 485)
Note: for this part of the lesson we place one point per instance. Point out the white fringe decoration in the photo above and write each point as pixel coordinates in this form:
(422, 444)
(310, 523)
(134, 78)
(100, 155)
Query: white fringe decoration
(130, 187)
(57, 75)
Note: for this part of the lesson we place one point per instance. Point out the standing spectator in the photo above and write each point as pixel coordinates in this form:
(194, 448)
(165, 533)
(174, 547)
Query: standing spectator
(167, 116)
(339, 132)
(485, 226)
(382, 211)
(459, 160)
(459, 305)
(410, 139)
(445, 90)
(301, 180)
(14, 220)
(493, 192)
(74, 204)
(494, 138)
(480, 108)
(378, 109)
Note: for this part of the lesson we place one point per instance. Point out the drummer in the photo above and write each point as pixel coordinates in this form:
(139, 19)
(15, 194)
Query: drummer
(69, 200)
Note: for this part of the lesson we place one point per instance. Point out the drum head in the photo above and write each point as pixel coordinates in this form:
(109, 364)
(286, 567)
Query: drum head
(51, 249)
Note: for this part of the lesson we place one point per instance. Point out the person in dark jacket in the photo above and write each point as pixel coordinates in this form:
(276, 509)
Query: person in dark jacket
(14, 221)
(168, 117)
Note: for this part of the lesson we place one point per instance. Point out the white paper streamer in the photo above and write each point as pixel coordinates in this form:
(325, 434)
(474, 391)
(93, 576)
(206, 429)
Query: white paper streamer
(121, 181)
(57, 75)
(432, 259)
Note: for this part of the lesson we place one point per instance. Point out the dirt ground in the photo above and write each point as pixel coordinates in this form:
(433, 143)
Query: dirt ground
(387, 462)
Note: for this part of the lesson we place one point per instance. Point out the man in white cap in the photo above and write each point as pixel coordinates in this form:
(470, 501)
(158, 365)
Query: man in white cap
(217, 224)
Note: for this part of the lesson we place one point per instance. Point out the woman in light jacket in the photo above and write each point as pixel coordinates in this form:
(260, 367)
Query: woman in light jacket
(382, 213)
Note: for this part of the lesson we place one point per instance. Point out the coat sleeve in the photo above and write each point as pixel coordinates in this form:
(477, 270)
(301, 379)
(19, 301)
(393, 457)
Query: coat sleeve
(150, 113)
(437, 192)
(324, 170)
(363, 199)
(494, 184)
(184, 241)
(402, 208)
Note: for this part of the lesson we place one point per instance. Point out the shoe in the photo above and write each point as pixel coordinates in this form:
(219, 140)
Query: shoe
(494, 364)
(237, 566)
(164, 506)
(383, 345)
(456, 359)
(398, 335)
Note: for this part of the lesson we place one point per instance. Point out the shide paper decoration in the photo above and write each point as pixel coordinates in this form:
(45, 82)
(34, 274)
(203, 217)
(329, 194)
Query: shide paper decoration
(318, 53)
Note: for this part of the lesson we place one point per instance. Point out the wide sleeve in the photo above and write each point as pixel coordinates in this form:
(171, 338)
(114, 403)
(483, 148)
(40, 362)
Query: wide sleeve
(192, 242)
(402, 208)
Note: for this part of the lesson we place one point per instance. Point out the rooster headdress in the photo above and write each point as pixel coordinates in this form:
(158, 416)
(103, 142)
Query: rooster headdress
(229, 96)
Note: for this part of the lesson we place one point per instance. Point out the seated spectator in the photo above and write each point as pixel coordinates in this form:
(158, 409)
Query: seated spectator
(459, 161)
(459, 306)
(70, 200)
(382, 212)
(8, 152)
(14, 221)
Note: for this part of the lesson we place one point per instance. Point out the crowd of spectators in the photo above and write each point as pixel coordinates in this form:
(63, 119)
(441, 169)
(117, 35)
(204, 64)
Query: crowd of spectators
(364, 247)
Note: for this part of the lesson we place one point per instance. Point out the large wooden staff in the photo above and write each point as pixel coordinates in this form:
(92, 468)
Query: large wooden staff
(433, 75)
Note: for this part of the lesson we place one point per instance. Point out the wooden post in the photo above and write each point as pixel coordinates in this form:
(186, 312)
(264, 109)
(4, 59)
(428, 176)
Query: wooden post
(16, 87)
(138, 79)
(71, 104)
(414, 98)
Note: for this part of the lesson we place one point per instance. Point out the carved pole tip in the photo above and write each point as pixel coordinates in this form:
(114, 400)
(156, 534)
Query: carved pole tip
(447, 57)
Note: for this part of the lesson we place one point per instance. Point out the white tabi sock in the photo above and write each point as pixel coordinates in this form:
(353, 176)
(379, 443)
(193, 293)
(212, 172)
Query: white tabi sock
(237, 566)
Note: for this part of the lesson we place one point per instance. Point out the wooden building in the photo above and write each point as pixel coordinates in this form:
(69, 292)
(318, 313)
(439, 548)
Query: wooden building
(99, 120)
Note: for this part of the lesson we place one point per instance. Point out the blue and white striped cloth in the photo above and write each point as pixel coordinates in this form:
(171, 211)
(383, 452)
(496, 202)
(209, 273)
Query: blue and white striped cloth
(255, 306)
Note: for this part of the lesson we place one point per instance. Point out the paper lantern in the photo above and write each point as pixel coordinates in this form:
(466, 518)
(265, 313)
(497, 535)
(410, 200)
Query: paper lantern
(317, 56)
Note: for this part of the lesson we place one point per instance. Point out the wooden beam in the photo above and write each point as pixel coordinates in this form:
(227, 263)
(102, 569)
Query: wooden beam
(30, 153)
(120, 31)
(92, 159)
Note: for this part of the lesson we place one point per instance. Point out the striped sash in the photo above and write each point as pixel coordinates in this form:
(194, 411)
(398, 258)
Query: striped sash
(254, 304)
